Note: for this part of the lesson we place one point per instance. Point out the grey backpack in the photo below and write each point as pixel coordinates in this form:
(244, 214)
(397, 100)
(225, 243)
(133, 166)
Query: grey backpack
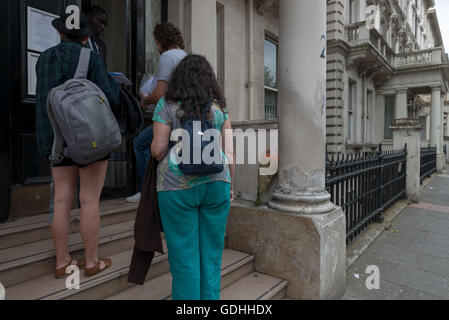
(84, 126)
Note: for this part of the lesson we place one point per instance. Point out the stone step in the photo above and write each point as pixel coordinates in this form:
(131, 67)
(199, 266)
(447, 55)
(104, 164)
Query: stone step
(113, 281)
(28, 261)
(256, 286)
(104, 284)
(235, 266)
(37, 228)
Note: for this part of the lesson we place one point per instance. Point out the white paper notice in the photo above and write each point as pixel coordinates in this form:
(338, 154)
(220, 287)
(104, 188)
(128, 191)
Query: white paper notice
(149, 86)
(32, 78)
(41, 34)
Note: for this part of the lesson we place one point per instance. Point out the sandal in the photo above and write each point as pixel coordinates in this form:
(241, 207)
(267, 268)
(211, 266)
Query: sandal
(96, 270)
(61, 272)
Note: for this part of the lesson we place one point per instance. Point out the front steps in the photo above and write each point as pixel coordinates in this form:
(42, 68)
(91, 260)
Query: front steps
(27, 263)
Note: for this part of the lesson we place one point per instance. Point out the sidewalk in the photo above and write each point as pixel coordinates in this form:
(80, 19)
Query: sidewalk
(413, 255)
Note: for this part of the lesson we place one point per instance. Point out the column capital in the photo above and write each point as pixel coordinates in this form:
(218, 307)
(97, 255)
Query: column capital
(401, 90)
(436, 88)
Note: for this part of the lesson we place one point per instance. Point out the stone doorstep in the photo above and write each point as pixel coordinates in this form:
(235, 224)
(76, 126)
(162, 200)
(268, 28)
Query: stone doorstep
(235, 266)
(24, 257)
(21, 227)
(51, 288)
(256, 286)
(355, 250)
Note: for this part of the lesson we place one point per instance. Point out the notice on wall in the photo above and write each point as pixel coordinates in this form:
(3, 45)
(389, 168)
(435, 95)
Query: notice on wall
(41, 34)
(32, 78)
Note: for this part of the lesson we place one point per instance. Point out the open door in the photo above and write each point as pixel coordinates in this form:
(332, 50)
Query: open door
(126, 40)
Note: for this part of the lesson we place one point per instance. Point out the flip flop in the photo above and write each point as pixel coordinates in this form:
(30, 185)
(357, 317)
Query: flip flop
(96, 270)
(60, 273)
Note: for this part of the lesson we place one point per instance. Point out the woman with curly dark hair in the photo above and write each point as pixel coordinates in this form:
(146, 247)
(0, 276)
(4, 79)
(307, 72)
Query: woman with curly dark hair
(194, 209)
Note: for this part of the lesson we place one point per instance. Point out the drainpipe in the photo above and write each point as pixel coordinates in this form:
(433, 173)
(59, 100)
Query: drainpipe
(250, 83)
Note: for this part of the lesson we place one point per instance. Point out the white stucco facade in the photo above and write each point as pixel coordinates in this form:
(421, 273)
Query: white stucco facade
(380, 74)
(397, 64)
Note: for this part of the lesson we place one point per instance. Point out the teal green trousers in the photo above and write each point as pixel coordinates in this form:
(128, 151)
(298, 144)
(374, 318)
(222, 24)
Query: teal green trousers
(194, 223)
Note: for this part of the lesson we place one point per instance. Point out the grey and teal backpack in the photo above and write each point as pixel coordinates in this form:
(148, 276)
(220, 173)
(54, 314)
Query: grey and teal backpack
(85, 129)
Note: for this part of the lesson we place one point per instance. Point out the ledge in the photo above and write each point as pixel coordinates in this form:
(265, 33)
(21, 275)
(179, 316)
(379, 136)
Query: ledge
(269, 124)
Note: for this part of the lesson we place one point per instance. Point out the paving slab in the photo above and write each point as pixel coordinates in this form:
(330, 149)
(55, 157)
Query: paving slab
(412, 254)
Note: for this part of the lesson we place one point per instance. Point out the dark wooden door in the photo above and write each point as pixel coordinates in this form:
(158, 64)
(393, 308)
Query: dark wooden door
(30, 174)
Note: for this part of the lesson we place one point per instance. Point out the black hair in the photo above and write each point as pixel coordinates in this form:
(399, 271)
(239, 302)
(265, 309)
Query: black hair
(70, 38)
(96, 11)
(194, 84)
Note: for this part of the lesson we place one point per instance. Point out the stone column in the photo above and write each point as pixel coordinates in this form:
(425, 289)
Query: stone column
(435, 118)
(435, 124)
(302, 238)
(201, 28)
(407, 131)
(302, 104)
(442, 122)
(443, 164)
(447, 125)
(301, 178)
(401, 111)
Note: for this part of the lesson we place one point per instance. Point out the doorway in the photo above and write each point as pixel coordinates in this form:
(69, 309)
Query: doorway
(125, 41)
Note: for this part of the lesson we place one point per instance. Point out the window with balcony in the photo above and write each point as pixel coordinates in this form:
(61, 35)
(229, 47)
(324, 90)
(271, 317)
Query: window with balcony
(271, 86)
(369, 109)
(352, 11)
(389, 116)
(423, 122)
(352, 98)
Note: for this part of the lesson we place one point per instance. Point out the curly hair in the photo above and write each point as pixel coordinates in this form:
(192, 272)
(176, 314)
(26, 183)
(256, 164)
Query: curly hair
(168, 36)
(194, 84)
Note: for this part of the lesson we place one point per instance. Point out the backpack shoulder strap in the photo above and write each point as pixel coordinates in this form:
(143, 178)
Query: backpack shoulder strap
(83, 64)
(58, 144)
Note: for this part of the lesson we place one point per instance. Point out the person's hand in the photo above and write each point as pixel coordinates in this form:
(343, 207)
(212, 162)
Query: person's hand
(232, 194)
(143, 104)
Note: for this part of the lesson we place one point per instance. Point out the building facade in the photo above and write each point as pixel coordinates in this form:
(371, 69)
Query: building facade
(395, 69)
(314, 70)
(378, 74)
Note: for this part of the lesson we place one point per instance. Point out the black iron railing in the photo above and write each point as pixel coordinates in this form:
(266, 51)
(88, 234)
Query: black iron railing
(428, 162)
(365, 185)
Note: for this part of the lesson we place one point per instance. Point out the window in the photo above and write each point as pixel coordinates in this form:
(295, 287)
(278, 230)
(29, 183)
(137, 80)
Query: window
(389, 117)
(369, 108)
(271, 86)
(352, 11)
(423, 122)
(352, 98)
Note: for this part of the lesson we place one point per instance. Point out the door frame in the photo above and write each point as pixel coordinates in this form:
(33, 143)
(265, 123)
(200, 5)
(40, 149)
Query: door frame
(6, 69)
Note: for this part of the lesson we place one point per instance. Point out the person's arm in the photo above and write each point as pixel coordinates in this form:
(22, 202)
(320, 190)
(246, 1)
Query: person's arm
(228, 147)
(101, 77)
(161, 140)
(156, 95)
(166, 68)
(162, 128)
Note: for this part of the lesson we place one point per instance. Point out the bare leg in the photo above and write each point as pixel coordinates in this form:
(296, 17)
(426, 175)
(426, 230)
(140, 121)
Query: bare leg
(65, 179)
(91, 184)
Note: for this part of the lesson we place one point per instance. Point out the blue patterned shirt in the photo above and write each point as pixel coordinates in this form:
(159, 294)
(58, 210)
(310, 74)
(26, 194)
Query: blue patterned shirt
(170, 177)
